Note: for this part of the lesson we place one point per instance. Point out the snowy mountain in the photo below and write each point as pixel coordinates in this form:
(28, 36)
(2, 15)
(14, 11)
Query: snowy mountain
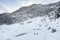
(34, 22)
(29, 12)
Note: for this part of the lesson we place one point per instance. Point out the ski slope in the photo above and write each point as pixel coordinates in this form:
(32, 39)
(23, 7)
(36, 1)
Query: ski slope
(39, 28)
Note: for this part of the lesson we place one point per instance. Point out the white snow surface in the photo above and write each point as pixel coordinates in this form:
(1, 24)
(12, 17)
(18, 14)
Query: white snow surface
(36, 25)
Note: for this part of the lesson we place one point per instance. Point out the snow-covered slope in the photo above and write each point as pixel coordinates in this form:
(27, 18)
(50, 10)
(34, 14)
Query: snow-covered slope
(39, 28)
(35, 22)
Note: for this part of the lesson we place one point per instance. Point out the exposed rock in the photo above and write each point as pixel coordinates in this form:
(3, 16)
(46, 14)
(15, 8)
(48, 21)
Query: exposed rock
(53, 30)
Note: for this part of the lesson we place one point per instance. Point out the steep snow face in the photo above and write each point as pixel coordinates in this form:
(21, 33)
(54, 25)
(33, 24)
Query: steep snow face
(39, 28)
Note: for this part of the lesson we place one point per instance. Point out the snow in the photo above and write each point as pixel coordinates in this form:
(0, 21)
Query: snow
(36, 25)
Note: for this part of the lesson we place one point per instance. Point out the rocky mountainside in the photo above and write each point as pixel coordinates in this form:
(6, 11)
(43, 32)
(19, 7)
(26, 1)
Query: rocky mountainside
(28, 12)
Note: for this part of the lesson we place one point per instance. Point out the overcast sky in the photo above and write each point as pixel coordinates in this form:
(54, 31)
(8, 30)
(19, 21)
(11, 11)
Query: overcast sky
(12, 5)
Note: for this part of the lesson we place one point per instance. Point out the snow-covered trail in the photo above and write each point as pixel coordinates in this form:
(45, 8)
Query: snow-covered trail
(39, 28)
